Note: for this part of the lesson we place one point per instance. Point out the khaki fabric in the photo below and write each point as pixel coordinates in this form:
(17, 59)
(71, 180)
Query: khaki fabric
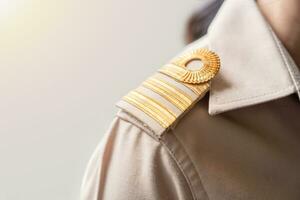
(241, 142)
(129, 164)
(249, 153)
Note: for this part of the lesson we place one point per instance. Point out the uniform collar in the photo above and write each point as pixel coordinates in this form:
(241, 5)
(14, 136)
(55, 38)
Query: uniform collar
(255, 66)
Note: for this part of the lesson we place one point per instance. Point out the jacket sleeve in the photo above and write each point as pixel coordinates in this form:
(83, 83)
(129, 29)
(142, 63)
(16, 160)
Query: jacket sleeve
(129, 164)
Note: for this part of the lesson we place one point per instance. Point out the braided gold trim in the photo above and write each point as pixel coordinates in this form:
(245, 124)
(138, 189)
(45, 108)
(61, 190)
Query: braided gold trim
(151, 107)
(177, 97)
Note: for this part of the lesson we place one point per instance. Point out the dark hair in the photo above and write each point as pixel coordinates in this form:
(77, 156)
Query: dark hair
(199, 22)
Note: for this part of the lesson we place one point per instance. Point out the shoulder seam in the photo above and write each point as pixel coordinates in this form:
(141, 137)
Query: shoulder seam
(180, 166)
(181, 170)
(136, 122)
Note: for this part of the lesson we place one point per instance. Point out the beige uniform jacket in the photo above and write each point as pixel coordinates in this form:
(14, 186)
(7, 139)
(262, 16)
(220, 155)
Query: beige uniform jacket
(241, 141)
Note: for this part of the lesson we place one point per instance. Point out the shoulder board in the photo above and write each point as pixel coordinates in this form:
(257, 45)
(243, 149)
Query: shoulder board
(165, 96)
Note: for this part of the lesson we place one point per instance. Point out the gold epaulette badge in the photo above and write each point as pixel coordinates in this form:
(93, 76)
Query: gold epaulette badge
(166, 95)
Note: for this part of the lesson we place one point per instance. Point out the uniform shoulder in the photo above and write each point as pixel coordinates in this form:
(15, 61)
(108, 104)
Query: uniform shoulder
(162, 99)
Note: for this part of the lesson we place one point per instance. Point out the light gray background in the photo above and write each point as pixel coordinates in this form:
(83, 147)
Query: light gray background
(63, 65)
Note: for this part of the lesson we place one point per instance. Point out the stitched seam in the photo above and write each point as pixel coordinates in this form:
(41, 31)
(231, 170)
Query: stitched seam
(143, 126)
(287, 65)
(195, 196)
(253, 97)
(284, 58)
(172, 154)
(181, 169)
(191, 162)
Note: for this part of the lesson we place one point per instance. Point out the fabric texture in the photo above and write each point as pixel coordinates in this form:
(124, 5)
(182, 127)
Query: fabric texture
(129, 164)
(241, 142)
(248, 153)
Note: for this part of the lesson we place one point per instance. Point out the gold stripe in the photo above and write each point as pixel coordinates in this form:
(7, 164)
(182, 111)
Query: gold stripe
(146, 110)
(198, 89)
(181, 95)
(160, 111)
(166, 94)
(151, 107)
(177, 97)
(156, 104)
(173, 71)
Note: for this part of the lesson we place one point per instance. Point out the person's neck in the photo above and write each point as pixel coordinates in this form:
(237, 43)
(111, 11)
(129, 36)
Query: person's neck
(284, 18)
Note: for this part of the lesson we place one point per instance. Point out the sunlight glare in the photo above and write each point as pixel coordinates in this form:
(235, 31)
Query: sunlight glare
(23, 22)
(9, 8)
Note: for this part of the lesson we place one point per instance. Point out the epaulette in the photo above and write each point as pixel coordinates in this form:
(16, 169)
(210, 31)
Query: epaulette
(165, 96)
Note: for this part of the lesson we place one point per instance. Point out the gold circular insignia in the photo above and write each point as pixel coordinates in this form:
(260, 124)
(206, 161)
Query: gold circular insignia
(178, 68)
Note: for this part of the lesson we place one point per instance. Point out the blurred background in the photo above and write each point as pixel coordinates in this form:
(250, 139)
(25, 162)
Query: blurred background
(63, 65)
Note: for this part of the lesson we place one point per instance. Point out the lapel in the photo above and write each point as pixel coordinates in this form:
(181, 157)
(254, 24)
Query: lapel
(255, 66)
